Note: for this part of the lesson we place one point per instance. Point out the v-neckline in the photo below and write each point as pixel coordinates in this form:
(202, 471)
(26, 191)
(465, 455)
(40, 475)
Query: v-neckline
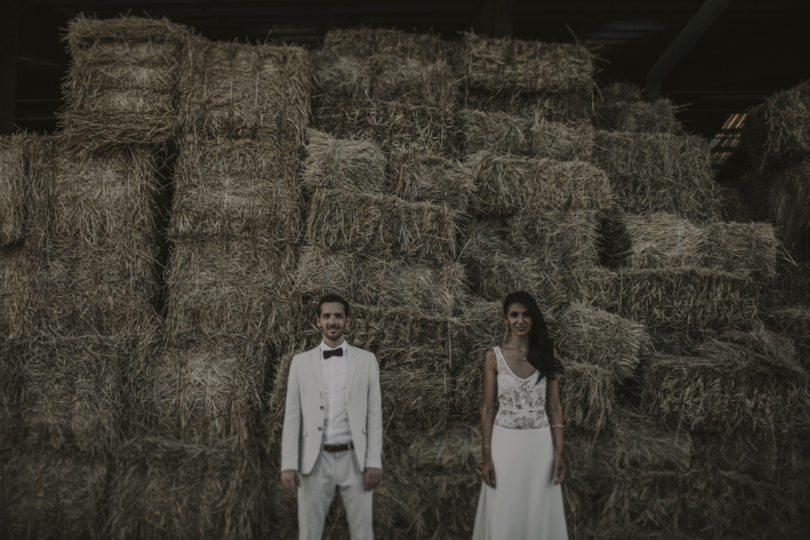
(515, 375)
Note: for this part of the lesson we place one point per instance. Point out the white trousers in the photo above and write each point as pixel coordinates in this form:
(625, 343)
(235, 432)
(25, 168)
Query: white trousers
(334, 471)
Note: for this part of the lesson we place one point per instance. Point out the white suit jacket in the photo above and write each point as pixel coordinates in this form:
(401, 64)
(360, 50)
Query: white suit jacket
(302, 434)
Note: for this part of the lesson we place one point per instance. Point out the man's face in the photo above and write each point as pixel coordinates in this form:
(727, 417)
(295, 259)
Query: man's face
(332, 321)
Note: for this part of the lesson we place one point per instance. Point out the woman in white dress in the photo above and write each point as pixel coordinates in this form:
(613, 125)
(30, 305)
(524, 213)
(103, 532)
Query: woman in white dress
(521, 496)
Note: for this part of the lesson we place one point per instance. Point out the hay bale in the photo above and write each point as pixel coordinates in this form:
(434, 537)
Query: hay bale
(494, 276)
(593, 336)
(15, 291)
(163, 487)
(457, 448)
(747, 381)
(446, 513)
(659, 172)
(390, 100)
(413, 82)
(364, 42)
(777, 129)
(639, 116)
(241, 188)
(762, 456)
(640, 442)
(788, 198)
(565, 142)
(495, 131)
(92, 198)
(791, 285)
(586, 391)
(622, 109)
(210, 391)
(564, 107)
(749, 248)
(108, 288)
(416, 397)
(419, 176)
(484, 323)
(497, 65)
(235, 90)
(664, 240)
(121, 85)
(241, 287)
(388, 124)
(794, 323)
(380, 281)
(506, 184)
(679, 305)
(72, 392)
(705, 502)
(561, 240)
(408, 339)
(381, 225)
(352, 165)
(12, 185)
(489, 236)
(53, 493)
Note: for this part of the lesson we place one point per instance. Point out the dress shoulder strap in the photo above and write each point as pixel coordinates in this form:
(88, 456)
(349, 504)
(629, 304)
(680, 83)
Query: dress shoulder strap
(499, 356)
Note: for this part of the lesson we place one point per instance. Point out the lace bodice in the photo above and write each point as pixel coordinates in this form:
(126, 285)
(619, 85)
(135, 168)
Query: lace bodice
(521, 402)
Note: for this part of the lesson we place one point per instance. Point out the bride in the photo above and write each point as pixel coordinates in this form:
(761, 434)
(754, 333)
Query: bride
(523, 467)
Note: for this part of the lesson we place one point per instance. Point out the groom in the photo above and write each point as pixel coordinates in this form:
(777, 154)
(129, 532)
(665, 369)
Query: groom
(332, 435)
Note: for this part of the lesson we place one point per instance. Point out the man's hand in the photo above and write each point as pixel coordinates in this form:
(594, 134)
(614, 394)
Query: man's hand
(371, 478)
(290, 481)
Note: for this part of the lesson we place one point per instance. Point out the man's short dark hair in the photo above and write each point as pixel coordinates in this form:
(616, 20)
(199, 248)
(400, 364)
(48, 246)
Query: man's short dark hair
(330, 298)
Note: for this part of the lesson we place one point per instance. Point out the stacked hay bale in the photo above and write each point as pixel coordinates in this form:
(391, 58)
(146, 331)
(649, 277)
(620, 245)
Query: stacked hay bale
(122, 84)
(775, 137)
(386, 86)
(659, 172)
(622, 109)
(744, 397)
(92, 237)
(685, 281)
(776, 140)
(233, 234)
(84, 330)
(13, 268)
(552, 80)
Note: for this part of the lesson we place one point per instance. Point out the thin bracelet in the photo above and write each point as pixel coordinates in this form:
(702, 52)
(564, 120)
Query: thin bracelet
(485, 445)
(557, 425)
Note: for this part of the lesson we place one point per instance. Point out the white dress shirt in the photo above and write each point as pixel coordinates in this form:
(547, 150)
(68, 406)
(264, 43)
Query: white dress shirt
(336, 418)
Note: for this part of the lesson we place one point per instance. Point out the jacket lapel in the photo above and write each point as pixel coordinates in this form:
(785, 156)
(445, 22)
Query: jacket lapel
(315, 367)
(351, 365)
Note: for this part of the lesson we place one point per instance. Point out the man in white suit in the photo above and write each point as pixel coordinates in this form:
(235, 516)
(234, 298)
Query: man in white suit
(332, 435)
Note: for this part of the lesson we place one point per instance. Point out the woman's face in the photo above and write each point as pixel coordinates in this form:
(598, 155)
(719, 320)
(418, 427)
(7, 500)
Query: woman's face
(519, 319)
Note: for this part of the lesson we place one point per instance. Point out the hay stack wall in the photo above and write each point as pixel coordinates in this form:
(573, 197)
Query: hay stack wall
(234, 233)
(776, 139)
(82, 325)
(441, 176)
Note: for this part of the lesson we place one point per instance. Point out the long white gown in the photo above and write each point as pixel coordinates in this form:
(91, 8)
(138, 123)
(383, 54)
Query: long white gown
(524, 504)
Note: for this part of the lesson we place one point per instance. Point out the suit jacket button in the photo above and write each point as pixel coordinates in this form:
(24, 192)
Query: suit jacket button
(320, 429)
(321, 407)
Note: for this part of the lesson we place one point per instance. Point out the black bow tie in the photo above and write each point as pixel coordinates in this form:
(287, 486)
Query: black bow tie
(333, 352)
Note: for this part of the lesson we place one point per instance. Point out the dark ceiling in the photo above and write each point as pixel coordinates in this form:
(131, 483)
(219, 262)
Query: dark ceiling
(754, 48)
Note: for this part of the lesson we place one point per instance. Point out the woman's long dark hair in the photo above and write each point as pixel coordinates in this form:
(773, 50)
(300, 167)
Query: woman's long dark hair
(541, 348)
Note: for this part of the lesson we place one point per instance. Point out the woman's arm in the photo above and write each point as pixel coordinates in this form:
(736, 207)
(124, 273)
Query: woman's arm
(556, 418)
(488, 417)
